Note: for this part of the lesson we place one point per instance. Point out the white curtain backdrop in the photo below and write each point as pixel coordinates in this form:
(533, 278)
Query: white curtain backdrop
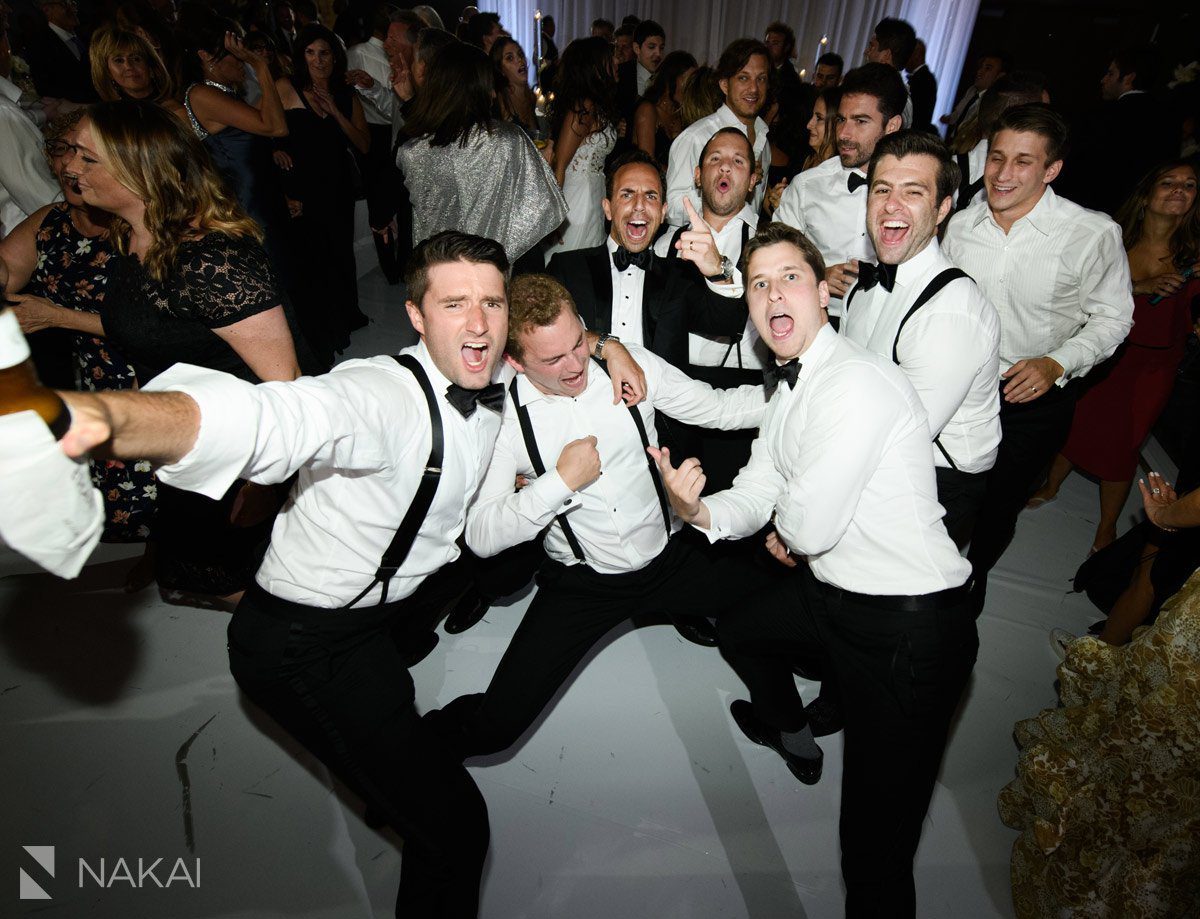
(705, 27)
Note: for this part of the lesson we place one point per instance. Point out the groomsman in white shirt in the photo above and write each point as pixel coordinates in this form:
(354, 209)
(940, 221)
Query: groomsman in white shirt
(917, 309)
(595, 500)
(1058, 276)
(723, 176)
(388, 452)
(843, 463)
(828, 203)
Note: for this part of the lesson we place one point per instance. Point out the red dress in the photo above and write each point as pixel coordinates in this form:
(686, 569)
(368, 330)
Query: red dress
(1114, 416)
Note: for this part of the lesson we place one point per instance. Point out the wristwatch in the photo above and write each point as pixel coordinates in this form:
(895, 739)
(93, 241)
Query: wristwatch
(604, 339)
(726, 272)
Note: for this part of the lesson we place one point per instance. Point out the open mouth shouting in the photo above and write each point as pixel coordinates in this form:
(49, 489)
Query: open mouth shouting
(475, 356)
(782, 325)
(893, 232)
(636, 230)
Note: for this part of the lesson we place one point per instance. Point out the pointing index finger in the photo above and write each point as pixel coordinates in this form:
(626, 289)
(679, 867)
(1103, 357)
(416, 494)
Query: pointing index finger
(696, 221)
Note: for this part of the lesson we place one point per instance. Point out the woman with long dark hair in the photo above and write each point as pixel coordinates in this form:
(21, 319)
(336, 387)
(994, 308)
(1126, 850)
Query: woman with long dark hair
(658, 119)
(327, 134)
(513, 95)
(467, 170)
(583, 124)
(1161, 227)
(189, 283)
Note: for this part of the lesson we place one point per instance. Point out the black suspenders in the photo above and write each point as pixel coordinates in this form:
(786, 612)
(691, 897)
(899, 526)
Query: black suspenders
(535, 458)
(406, 534)
(967, 190)
(941, 280)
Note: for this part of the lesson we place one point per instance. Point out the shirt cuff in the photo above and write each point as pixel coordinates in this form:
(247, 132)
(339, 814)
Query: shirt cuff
(553, 493)
(1064, 361)
(229, 417)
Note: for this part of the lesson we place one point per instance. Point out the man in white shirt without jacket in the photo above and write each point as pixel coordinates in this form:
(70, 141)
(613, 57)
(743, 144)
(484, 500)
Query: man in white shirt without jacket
(744, 75)
(948, 346)
(843, 463)
(828, 203)
(26, 182)
(595, 500)
(1059, 278)
(313, 642)
(723, 175)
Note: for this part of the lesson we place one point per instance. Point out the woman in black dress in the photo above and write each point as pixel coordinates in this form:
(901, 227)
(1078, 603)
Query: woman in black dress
(190, 283)
(327, 132)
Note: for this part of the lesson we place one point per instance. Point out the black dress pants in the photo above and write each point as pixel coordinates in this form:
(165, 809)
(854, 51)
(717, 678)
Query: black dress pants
(1032, 433)
(378, 164)
(335, 681)
(573, 609)
(899, 673)
(961, 494)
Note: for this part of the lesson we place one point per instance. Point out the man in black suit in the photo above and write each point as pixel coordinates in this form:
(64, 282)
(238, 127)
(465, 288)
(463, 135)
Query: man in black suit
(649, 46)
(922, 89)
(1122, 140)
(622, 289)
(58, 55)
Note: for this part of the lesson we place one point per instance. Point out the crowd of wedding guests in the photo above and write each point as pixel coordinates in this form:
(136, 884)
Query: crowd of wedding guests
(179, 184)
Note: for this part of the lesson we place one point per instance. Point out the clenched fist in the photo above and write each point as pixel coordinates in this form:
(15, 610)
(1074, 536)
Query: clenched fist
(579, 463)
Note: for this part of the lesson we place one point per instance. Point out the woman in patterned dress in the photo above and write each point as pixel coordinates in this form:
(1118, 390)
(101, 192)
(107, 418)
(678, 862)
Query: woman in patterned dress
(60, 259)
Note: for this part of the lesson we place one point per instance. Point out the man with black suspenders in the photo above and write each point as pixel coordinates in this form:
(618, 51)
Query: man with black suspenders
(595, 498)
(927, 316)
(388, 452)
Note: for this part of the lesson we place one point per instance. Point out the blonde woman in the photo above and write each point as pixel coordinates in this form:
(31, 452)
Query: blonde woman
(125, 66)
(189, 283)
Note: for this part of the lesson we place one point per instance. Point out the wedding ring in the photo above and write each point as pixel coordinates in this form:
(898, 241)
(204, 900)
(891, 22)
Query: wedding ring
(1033, 389)
(1156, 491)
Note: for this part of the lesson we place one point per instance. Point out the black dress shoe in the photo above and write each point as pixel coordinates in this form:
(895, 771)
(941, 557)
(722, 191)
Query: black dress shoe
(807, 771)
(468, 610)
(697, 630)
(824, 716)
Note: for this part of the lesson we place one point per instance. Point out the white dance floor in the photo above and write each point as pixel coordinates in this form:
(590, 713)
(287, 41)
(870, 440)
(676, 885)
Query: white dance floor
(124, 737)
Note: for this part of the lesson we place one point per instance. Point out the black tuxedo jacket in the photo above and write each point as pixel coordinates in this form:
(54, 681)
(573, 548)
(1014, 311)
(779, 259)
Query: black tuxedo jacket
(55, 70)
(675, 301)
(627, 94)
(922, 88)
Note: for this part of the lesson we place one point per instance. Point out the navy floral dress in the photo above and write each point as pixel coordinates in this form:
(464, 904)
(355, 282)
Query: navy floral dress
(72, 271)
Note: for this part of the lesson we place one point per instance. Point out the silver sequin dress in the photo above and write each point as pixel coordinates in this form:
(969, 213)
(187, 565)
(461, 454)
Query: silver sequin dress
(496, 186)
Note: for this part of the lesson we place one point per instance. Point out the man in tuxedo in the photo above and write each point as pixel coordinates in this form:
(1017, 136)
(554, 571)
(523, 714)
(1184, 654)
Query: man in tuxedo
(285, 27)
(633, 76)
(623, 290)
(1122, 140)
(922, 89)
(58, 55)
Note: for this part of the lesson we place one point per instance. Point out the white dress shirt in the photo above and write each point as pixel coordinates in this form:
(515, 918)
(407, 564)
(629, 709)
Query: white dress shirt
(617, 518)
(644, 77)
(1059, 280)
(26, 182)
(378, 101)
(720, 350)
(685, 157)
(627, 289)
(818, 202)
(949, 350)
(359, 438)
(844, 462)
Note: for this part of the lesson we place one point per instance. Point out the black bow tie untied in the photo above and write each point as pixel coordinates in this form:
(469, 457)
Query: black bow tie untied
(775, 374)
(623, 258)
(465, 399)
(854, 182)
(882, 274)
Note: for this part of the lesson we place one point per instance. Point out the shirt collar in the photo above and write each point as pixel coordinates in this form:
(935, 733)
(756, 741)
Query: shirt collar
(919, 264)
(376, 41)
(817, 353)
(62, 33)
(10, 90)
(1041, 218)
(529, 393)
(727, 119)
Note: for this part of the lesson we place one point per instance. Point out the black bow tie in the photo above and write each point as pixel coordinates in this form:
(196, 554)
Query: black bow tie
(775, 374)
(854, 182)
(465, 400)
(623, 258)
(883, 274)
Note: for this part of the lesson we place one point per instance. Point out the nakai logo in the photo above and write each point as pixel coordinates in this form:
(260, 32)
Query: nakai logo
(136, 873)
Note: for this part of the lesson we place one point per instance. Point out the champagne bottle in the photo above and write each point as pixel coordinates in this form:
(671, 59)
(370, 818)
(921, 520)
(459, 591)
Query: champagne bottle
(20, 390)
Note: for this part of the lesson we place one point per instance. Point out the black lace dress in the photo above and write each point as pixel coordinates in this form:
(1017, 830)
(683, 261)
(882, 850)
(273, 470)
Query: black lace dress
(72, 271)
(216, 281)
